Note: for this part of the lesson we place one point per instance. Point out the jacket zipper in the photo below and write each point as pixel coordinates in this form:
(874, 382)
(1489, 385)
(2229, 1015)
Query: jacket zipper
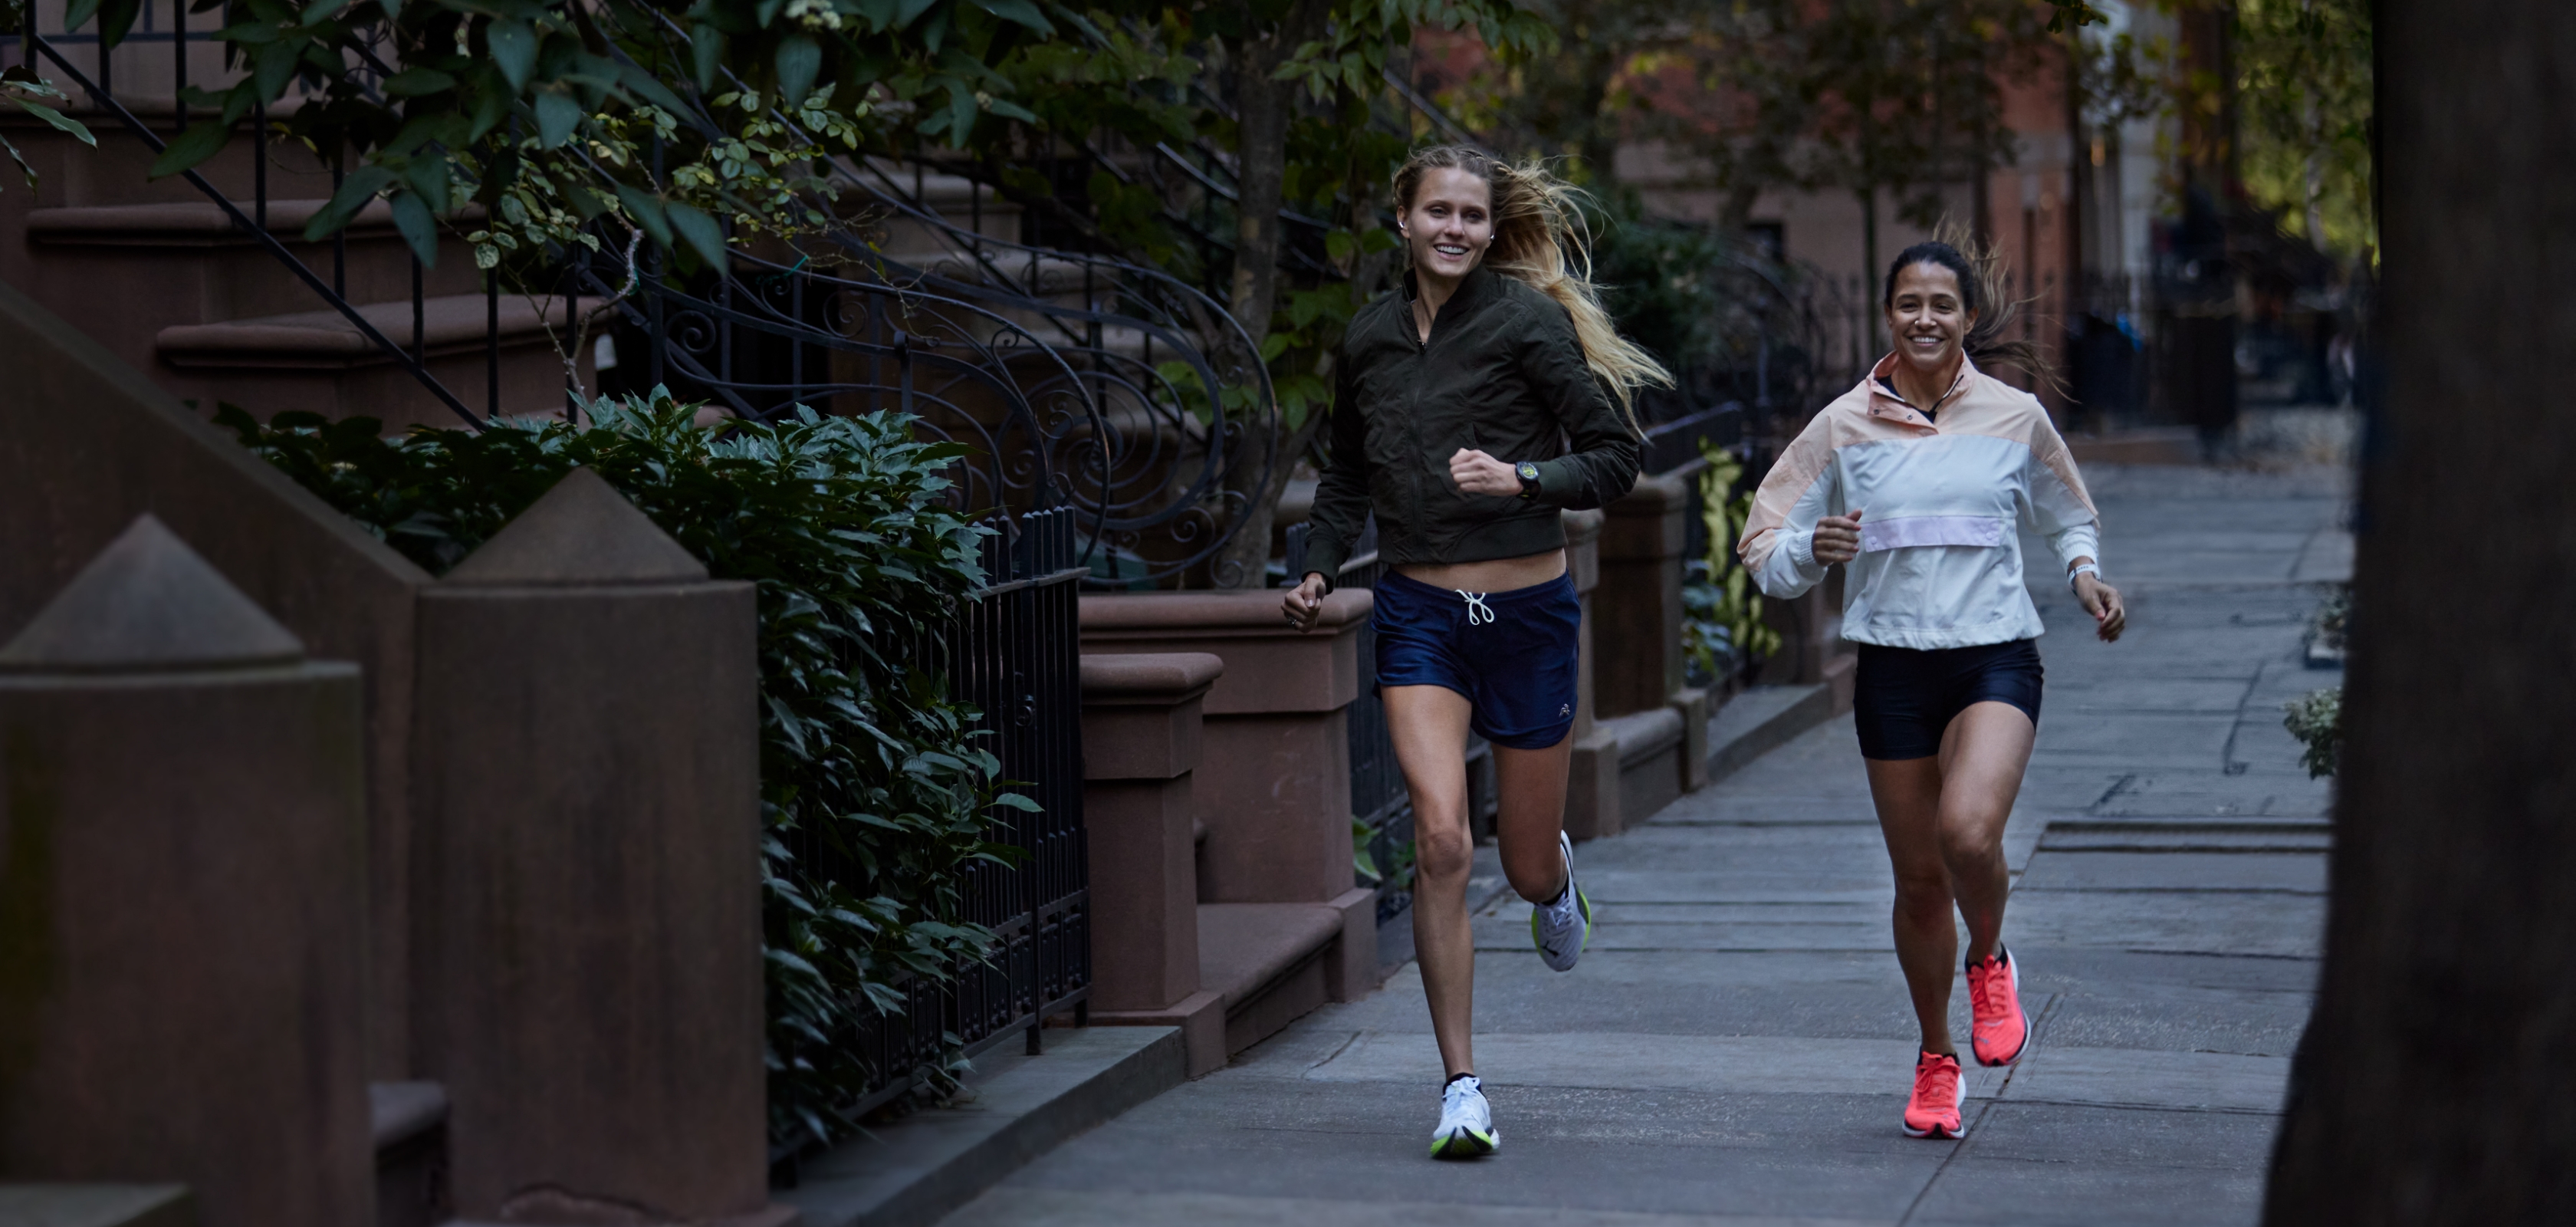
(1413, 408)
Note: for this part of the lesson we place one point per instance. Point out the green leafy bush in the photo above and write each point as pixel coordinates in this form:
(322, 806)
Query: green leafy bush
(873, 811)
(1723, 610)
(2317, 721)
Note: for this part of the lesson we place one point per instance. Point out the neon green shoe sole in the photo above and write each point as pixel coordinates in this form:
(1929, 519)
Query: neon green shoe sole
(1465, 1144)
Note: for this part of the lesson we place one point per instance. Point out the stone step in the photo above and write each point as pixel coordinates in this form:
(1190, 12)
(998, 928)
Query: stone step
(97, 1205)
(186, 223)
(1016, 1107)
(2188, 835)
(450, 323)
(1265, 963)
(1263, 966)
(319, 362)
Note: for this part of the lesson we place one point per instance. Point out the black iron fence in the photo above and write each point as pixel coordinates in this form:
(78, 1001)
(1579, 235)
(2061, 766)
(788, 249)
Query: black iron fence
(1015, 654)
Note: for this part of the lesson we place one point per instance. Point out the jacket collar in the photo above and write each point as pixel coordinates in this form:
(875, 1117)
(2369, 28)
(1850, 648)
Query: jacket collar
(1479, 285)
(1886, 404)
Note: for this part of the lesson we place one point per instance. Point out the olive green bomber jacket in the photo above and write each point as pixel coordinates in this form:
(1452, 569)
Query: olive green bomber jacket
(1503, 373)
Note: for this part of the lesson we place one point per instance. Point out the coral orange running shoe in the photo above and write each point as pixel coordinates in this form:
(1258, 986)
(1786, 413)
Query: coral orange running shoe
(2002, 1027)
(1933, 1110)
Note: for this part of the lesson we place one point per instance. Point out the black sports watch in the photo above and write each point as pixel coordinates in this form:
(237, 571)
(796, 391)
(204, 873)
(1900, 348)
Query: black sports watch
(1529, 478)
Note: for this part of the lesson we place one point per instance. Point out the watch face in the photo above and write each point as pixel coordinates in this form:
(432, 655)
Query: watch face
(1528, 471)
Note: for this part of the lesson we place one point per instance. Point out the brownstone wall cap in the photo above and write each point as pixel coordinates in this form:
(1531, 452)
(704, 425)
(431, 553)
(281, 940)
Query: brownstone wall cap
(1244, 611)
(1655, 494)
(1582, 526)
(583, 532)
(1173, 676)
(149, 604)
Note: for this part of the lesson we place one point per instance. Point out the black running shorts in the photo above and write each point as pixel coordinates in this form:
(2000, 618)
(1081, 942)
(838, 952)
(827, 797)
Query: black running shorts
(1906, 697)
(1513, 654)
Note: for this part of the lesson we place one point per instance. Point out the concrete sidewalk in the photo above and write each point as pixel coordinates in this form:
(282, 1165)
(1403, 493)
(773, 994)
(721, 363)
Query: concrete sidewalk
(1735, 1047)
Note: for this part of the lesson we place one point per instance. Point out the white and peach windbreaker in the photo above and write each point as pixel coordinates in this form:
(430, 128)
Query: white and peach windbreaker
(1940, 562)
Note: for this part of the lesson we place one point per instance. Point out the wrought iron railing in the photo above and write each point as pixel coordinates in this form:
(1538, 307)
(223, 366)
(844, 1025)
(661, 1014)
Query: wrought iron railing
(1015, 654)
(1076, 380)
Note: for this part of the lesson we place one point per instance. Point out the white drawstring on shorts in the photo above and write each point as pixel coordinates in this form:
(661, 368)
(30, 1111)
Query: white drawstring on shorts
(1475, 606)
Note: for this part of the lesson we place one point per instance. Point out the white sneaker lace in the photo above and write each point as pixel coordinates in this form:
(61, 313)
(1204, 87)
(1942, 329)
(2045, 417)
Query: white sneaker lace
(1454, 1095)
(1475, 606)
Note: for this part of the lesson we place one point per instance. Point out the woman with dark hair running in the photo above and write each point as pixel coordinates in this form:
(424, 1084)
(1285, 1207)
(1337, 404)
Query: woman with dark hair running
(1452, 402)
(1917, 478)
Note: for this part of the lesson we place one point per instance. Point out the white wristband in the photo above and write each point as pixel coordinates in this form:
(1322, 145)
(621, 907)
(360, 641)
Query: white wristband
(2082, 569)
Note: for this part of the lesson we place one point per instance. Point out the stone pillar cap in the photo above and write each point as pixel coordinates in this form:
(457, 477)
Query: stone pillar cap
(149, 604)
(1654, 494)
(583, 532)
(1169, 676)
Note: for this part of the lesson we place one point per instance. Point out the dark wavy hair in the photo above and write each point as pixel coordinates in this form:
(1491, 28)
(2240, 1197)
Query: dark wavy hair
(1983, 288)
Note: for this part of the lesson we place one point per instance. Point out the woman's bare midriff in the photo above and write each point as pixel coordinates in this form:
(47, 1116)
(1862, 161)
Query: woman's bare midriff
(1490, 575)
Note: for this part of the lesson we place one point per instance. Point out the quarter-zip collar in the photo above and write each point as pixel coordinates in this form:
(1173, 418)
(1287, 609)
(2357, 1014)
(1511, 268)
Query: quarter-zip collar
(1474, 290)
(1884, 403)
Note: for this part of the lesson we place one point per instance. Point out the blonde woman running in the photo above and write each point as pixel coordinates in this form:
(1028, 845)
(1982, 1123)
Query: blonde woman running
(1451, 404)
(1916, 478)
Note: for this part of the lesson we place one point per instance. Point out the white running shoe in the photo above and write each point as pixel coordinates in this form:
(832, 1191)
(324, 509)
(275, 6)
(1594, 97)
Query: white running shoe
(1564, 927)
(1466, 1123)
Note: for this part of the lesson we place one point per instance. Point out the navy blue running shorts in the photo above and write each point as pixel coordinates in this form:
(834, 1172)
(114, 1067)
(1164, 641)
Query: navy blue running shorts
(1905, 698)
(1513, 654)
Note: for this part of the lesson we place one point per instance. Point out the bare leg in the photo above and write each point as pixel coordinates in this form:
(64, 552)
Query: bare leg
(1983, 755)
(1429, 725)
(1529, 814)
(1943, 819)
(1908, 796)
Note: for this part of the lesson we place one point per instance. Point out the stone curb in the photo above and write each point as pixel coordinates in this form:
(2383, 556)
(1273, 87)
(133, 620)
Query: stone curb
(920, 1168)
(1760, 720)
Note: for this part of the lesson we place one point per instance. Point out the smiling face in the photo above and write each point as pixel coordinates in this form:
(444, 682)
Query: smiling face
(1929, 318)
(1449, 223)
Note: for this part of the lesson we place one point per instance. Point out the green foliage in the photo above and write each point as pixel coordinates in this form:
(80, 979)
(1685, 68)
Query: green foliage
(1396, 875)
(2303, 92)
(2328, 626)
(873, 794)
(2317, 721)
(691, 123)
(21, 88)
(1725, 610)
(2077, 12)
(553, 113)
(1867, 96)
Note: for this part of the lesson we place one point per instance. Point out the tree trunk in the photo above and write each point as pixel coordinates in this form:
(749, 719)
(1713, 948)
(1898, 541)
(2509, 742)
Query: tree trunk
(2437, 1080)
(1597, 143)
(1260, 471)
(1869, 271)
(1735, 215)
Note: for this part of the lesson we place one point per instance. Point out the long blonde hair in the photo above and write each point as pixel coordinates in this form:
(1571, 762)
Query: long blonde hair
(1540, 238)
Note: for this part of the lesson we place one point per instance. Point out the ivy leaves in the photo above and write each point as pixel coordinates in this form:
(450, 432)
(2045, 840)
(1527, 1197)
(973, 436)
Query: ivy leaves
(546, 115)
(21, 87)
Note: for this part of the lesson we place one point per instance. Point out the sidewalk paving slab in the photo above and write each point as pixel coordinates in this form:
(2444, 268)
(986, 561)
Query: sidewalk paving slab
(1736, 1044)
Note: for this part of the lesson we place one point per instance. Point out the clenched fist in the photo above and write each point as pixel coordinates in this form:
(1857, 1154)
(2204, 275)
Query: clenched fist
(1477, 473)
(1837, 539)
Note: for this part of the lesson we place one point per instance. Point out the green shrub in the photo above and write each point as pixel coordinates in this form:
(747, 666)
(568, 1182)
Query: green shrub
(873, 811)
(1724, 625)
(2317, 721)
